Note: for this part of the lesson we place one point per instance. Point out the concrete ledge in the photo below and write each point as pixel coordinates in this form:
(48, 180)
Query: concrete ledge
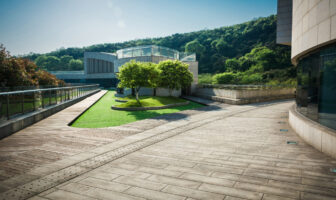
(315, 134)
(13, 125)
(245, 101)
(151, 108)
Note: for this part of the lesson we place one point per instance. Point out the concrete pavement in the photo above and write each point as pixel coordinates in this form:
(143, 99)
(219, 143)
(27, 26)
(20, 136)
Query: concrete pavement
(218, 152)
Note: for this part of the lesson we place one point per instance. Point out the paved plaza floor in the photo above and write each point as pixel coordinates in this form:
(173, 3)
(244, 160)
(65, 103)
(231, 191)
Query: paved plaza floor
(216, 152)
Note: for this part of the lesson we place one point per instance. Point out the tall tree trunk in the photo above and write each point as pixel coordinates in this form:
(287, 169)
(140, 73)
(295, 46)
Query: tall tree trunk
(137, 94)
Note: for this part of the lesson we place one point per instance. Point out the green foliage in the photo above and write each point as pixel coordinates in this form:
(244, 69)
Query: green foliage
(174, 75)
(194, 47)
(22, 72)
(75, 64)
(64, 63)
(205, 78)
(256, 67)
(213, 47)
(133, 75)
(153, 74)
(251, 79)
(225, 78)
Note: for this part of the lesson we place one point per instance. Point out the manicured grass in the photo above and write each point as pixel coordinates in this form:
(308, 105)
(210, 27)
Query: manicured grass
(149, 101)
(101, 115)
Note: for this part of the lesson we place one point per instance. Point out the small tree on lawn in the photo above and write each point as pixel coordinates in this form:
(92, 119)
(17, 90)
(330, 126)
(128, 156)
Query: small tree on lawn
(174, 75)
(152, 72)
(131, 75)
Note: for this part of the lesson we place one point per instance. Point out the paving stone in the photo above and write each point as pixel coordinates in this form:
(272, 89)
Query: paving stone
(274, 197)
(268, 189)
(97, 192)
(206, 179)
(311, 196)
(160, 171)
(108, 185)
(234, 192)
(64, 195)
(127, 180)
(151, 194)
(257, 173)
(37, 198)
(212, 168)
(189, 170)
(124, 172)
(174, 181)
(241, 178)
(197, 194)
(15, 193)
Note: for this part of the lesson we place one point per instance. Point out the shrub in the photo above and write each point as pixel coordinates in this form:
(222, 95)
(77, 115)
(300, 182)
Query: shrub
(224, 78)
(252, 79)
(205, 78)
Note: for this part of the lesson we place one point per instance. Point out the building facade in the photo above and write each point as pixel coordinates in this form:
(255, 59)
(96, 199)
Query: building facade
(313, 44)
(313, 52)
(100, 67)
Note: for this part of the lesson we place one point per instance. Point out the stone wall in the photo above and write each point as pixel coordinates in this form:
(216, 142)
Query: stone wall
(244, 96)
(314, 25)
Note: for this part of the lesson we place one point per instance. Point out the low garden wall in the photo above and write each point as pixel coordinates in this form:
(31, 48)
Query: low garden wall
(150, 91)
(243, 94)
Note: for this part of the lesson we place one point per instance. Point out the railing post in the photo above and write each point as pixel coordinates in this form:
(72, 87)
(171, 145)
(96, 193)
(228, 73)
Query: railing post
(56, 96)
(34, 106)
(22, 103)
(49, 97)
(7, 106)
(42, 99)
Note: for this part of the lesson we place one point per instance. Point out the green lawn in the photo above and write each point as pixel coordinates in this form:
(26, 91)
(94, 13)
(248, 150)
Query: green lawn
(149, 101)
(101, 115)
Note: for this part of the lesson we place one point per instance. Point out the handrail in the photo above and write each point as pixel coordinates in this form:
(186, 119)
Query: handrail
(47, 89)
(17, 103)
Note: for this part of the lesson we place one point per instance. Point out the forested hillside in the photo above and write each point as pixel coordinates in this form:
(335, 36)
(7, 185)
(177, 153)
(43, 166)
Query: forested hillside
(233, 49)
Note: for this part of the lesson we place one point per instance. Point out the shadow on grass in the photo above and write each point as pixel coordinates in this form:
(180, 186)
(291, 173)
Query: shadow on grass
(177, 115)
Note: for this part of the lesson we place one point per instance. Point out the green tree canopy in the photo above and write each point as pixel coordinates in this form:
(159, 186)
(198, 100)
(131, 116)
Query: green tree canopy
(22, 72)
(132, 75)
(174, 75)
(76, 64)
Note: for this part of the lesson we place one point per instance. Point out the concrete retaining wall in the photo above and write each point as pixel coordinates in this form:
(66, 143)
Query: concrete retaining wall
(18, 123)
(315, 134)
(244, 96)
(149, 92)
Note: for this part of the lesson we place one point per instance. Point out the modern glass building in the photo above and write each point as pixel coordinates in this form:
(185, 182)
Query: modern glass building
(101, 67)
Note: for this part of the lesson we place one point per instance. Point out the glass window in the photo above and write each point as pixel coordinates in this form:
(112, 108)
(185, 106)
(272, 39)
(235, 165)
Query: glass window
(147, 51)
(316, 90)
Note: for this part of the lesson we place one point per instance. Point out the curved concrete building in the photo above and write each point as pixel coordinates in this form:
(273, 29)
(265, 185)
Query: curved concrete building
(310, 28)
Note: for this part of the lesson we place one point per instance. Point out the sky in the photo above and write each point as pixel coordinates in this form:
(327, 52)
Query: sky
(42, 26)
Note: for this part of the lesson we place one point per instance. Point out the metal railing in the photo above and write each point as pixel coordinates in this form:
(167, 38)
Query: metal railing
(16, 103)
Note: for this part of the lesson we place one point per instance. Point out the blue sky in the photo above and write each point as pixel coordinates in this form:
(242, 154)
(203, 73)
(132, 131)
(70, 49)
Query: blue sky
(44, 25)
